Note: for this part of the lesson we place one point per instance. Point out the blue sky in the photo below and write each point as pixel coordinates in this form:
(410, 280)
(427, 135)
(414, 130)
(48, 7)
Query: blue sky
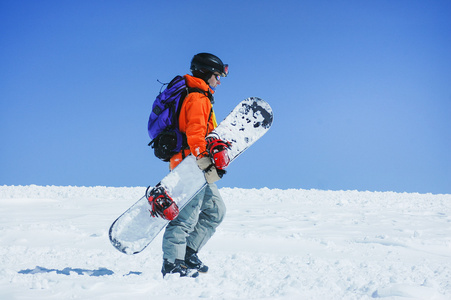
(361, 90)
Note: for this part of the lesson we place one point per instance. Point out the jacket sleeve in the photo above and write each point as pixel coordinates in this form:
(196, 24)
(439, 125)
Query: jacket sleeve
(198, 109)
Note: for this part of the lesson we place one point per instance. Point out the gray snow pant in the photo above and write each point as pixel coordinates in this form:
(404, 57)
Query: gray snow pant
(195, 224)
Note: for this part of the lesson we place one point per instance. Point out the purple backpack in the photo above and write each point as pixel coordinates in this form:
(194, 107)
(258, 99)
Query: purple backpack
(163, 125)
(163, 128)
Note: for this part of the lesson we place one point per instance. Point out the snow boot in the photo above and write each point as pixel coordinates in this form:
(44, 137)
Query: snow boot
(178, 268)
(193, 262)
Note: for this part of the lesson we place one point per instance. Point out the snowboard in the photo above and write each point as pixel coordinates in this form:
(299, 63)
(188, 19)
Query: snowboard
(135, 229)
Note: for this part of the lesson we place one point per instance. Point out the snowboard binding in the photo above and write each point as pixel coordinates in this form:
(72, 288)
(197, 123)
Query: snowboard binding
(217, 149)
(162, 204)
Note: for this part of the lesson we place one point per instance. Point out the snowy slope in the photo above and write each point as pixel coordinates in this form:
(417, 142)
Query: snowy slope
(273, 244)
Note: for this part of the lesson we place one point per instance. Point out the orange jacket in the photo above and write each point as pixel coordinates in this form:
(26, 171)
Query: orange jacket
(197, 119)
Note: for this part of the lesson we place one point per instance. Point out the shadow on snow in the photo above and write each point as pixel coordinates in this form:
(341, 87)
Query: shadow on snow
(67, 271)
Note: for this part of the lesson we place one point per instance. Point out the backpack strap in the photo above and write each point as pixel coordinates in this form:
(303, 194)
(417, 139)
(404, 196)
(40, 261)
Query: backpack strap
(190, 90)
(208, 121)
(206, 93)
(197, 90)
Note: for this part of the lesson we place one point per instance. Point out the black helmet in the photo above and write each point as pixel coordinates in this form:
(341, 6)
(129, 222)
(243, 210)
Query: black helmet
(208, 63)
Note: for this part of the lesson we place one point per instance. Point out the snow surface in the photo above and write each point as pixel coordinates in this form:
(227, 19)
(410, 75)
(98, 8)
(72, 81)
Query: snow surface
(273, 244)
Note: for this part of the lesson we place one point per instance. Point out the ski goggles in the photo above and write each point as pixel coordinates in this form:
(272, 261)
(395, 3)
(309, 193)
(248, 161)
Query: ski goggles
(226, 70)
(222, 74)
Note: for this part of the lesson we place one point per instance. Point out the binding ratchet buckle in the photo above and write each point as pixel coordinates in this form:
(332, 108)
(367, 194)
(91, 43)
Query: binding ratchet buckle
(161, 203)
(217, 149)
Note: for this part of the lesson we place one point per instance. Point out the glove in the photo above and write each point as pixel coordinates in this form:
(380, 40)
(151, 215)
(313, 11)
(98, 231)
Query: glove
(208, 167)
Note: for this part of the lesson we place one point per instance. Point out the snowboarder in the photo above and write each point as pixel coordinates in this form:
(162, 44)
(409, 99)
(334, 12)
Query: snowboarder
(197, 222)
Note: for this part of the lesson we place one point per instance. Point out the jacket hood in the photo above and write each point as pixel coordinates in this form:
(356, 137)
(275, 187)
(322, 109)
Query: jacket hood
(195, 82)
